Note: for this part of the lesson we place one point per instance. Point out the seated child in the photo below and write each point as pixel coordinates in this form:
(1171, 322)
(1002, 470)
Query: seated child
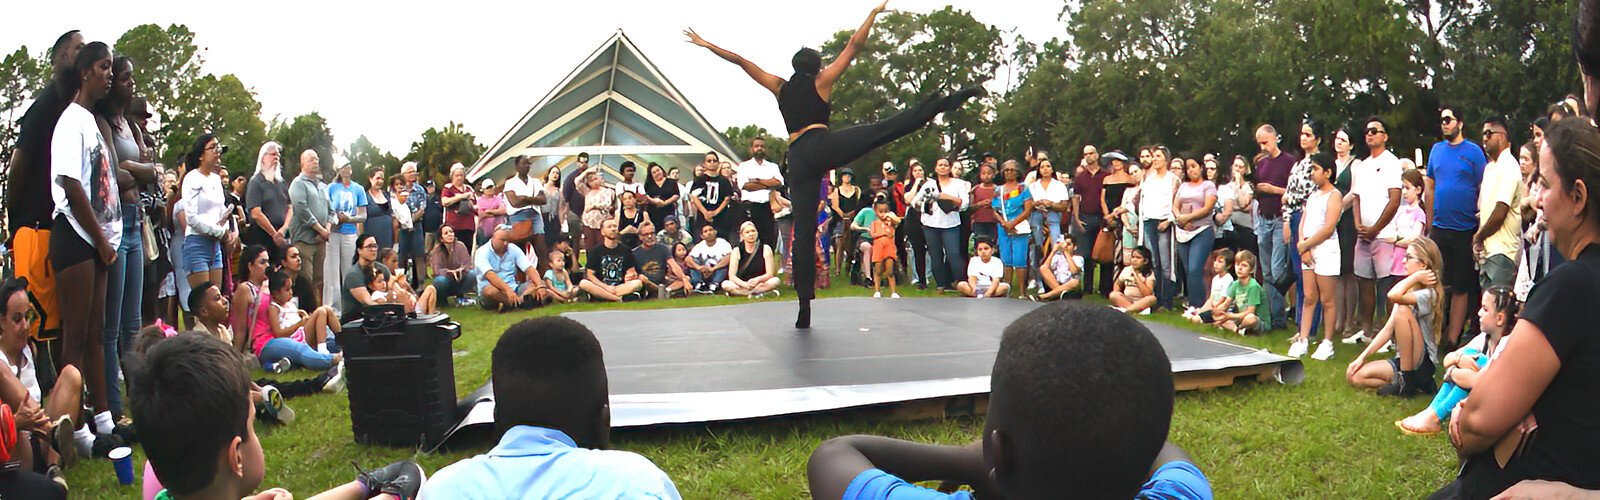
(1497, 315)
(558, 281)
(1244, 295)
(985, 273)
(1413, 324)
(552, 411)
(1062, 272)
(1221, 279)
(197, 427)
(1093, 428)
(280, 345)
(1134, 291)
(399, 291)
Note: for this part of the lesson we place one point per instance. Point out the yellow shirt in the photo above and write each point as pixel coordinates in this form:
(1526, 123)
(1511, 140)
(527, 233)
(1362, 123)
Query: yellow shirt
(1502, 183)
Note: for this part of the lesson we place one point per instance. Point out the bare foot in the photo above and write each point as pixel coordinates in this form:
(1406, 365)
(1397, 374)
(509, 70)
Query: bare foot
(1424, 422)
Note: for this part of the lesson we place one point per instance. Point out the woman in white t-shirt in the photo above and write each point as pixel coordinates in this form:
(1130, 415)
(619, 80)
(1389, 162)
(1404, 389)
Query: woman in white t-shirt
(207, 226)
(940, 201)
(88, 222)
(1051, 198)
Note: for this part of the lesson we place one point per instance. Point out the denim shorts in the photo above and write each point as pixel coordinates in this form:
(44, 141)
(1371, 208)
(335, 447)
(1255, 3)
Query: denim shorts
(201, 254)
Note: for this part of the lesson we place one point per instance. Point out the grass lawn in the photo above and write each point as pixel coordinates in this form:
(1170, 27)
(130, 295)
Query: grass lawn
(1320, 438)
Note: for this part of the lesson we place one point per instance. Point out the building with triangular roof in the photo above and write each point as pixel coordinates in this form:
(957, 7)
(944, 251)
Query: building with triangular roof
(617, 106)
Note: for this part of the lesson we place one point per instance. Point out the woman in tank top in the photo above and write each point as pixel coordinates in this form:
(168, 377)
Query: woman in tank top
(814, 148)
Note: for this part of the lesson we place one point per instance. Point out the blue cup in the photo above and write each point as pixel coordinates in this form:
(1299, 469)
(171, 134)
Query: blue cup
(122, 461)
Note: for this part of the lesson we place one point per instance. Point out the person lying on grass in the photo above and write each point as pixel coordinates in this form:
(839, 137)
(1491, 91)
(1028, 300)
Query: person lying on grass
(1221, 279)
(1134, 290)
(985, 273)
(1413, 325)
(553, 414)
(197, 424)
(1239, 303)
(1062, 271)
(1093, 428)
(1497, 315)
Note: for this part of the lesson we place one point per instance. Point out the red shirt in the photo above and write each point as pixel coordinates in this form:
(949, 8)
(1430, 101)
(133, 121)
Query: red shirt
(1088, 186)
(981, 197)
(457, 221)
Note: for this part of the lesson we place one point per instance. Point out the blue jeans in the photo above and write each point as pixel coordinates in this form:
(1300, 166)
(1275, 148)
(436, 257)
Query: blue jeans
(124, 283)
(1274, 261)
(944, 254)
(1160, 245)
(1041, 222)
(699, 280)
(451, 287)
(1194, 253)
(298, 353)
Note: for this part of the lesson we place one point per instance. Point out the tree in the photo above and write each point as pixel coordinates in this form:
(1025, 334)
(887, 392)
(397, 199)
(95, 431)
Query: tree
(222, 106)
(20, 76)
(307, 131)
(1510, 59)
(439, 149)
(364, 156)
(908, 58)
(166, 64)
(741, 137)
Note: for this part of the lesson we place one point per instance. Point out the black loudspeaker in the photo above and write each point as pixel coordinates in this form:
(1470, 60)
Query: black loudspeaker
(400, 376)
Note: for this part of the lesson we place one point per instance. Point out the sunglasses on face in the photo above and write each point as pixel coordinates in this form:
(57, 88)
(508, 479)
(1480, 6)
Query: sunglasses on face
(373, 246)
(1447, 119)
(1375, 131)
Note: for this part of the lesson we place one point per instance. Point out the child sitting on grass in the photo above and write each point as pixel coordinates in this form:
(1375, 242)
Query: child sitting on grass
(197, 425)
(1095, 427)
(1413, 325)
(1134, 290)
(1221, 279)
(1062, 271)
(884, 252)
(399, 291)
(985, 273)
(279, 345)
(1497, 315)
(558, 281)
(1239, 303)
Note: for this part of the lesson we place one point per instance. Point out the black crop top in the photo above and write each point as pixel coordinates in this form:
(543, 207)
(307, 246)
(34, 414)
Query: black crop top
(800, 104)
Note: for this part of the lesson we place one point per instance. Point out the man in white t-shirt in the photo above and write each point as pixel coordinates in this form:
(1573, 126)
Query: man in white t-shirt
(524, 195)
(1499, 209)
(756, 178)
(708, 261)
(1376, 183)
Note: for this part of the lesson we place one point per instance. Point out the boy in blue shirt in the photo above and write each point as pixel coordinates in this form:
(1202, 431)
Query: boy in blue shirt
(553, 411)
(1095, 427)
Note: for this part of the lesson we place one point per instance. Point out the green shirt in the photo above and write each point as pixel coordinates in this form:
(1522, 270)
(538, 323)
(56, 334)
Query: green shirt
(865, 218)
(1244, 294)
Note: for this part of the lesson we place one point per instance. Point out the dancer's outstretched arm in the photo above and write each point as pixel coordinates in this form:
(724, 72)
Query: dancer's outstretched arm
(767, 80)
(831, 73)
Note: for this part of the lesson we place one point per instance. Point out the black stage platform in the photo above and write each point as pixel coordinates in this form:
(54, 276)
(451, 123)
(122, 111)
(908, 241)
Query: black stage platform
(747, 361)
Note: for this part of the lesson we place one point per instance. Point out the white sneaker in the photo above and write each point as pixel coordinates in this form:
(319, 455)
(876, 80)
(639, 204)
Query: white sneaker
(877, 295)
(1359, 337)
(1035, 284)
(1119, 309)
(1324, 351)
(1387, 346)
(894, 295)
(1145, 312)
(1297, 349)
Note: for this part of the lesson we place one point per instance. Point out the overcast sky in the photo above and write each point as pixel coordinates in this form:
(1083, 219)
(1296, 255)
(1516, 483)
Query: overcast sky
(390, 70)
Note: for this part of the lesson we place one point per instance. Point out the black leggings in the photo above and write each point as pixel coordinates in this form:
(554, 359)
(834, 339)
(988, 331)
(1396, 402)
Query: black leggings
(818, 151)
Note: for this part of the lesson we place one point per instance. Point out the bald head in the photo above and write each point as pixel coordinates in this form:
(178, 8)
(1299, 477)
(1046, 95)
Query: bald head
(1267, 139)
(310, 163)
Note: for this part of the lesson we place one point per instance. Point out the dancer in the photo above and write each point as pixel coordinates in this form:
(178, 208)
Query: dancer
(814, 148)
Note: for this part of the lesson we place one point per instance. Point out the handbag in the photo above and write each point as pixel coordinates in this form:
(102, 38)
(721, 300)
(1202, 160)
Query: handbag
(151, 253)
(1105, 247)
(522, 231)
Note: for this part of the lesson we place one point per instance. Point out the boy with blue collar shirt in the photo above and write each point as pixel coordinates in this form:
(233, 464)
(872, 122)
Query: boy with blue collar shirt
(1092, 428)
(553, 410)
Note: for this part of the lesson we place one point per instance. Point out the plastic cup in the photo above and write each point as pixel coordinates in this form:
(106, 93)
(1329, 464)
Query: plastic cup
(122, 461)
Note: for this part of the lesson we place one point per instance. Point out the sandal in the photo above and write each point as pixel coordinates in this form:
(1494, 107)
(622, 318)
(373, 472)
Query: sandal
(1400, 424)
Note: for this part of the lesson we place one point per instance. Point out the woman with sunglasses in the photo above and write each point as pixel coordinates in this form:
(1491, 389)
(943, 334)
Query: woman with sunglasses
(814, 148)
